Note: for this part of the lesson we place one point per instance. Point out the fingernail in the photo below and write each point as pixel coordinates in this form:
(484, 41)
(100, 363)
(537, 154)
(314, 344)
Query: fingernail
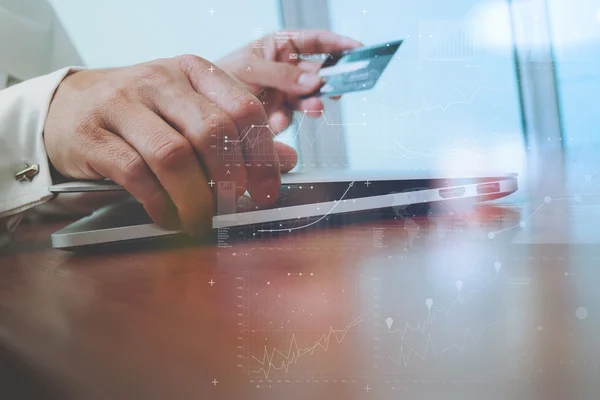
(308, 79)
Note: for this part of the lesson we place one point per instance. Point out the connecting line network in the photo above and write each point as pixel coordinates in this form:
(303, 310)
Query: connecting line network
(296, 134)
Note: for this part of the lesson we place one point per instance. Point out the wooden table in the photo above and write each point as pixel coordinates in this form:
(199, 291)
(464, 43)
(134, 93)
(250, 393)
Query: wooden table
(466, 304)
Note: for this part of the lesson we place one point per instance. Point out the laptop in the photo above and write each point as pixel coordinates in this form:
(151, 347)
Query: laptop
(306, 200)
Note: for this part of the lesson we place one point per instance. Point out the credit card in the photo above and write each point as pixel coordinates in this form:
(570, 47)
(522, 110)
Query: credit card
(354, 70)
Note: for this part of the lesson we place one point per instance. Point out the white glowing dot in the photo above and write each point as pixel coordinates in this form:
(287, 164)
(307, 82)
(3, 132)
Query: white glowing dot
(268, 283)
(547, 199)
(581, 313)
(522, 224)
(225, 147)
(491, 235)
(252, 126)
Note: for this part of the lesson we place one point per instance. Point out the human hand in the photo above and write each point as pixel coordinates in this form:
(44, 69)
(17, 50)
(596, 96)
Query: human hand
(156, 129)
(279, 80)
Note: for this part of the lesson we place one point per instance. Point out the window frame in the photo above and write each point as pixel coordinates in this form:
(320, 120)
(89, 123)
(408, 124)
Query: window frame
(297, 14)
(535, 67)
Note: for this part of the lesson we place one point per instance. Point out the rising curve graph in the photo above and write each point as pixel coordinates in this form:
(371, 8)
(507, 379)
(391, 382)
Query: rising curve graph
(294, 352)
(334, 204)
(404, 358)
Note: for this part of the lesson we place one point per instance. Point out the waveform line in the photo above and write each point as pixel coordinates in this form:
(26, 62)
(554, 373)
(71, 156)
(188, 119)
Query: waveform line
(428, 107)
(404, 358)
(410, 154)
(294, 352)
(420, 327)
(314, 222)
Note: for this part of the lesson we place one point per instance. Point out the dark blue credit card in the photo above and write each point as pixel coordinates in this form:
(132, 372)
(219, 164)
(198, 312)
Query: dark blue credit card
(354, 70)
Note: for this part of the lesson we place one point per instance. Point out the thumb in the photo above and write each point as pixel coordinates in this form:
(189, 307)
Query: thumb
(288, 78)
(288, 156)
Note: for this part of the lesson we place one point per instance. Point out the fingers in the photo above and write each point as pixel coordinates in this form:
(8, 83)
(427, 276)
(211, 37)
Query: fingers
(210, 131)
(248, 114)
(288, 156)
(312, 104)
(288, 78)
(172, 160)
(279, 121)
(115, 159)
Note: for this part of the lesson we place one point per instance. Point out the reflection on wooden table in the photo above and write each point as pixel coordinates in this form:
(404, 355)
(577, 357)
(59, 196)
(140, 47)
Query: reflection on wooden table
(462, 304)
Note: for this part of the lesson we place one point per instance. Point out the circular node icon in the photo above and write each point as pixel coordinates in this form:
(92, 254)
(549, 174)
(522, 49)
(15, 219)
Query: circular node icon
(522, 224)
(547, 199)
(491, 235)
(581, 313)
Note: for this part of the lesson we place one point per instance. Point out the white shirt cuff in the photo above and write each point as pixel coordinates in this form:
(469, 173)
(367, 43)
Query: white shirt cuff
(23, 112)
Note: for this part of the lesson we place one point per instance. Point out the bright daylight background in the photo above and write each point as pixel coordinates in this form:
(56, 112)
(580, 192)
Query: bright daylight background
(449, 100)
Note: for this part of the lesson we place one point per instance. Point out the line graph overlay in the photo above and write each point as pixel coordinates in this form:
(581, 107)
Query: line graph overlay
(294, 228)
(455, 98)
(297, 326)
(441, 334)
(294, 352)
(405, 357)
(256, 134)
